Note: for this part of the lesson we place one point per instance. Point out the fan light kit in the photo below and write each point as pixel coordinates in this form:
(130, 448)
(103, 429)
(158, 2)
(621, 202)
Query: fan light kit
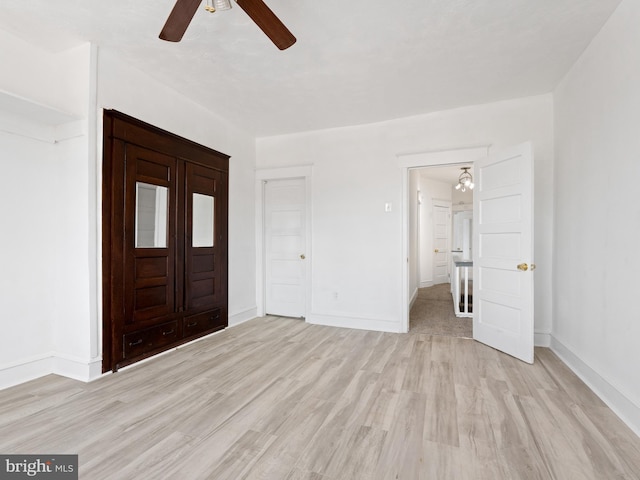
(217, 5)
(465, 180)
(184, 10)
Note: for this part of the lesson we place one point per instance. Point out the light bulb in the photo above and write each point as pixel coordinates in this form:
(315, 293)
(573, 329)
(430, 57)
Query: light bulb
(471, 185)
(458, 187)
(222, 4)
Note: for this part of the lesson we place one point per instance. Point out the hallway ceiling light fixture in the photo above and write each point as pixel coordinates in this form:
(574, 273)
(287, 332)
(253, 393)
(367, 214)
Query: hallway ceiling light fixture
(465, 180)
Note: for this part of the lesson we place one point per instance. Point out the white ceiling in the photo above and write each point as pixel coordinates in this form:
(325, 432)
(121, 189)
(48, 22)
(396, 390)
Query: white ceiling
(354, 62)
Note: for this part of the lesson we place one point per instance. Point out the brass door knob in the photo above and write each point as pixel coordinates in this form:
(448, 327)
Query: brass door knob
(436, 250)
(523, 266)
(302, 256)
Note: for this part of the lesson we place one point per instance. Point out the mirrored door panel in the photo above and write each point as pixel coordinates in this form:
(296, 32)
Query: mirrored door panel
(149, 245)
(205, 221)
(202, 220)
(151, 216)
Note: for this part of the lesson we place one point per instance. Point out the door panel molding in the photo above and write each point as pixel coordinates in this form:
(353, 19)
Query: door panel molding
(503, 250)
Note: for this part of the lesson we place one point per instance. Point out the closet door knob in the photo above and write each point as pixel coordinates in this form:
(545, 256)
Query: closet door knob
(523, 266)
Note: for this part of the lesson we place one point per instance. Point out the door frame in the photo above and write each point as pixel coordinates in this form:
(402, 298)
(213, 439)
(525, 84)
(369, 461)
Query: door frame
(430, 158)
(280, 173)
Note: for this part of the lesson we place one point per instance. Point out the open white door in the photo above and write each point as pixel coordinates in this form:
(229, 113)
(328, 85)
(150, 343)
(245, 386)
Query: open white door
(503, 251)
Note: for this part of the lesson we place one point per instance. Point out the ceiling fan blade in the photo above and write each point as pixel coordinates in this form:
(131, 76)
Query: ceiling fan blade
(271, 25)
(179, 19)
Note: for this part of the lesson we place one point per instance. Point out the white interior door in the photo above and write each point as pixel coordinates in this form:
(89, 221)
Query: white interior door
(441, 229)
(285, 257)
(503, 251)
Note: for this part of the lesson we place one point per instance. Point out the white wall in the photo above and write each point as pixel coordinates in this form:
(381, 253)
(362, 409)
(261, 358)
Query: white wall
(596, 325)
(52, 79)
(72, 332)
(43, 149)
(27, 302)
(357, 247)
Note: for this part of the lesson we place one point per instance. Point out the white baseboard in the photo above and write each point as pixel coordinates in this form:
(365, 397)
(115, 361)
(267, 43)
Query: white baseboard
(542, 339)
(359, 323)
(77, 368)
(25, 370)
(621, 404)
(244, 316)
(414, 296)
(47, 364)
(426, 284)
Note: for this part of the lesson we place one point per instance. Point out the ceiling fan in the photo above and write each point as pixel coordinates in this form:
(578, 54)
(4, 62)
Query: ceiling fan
(184, 10)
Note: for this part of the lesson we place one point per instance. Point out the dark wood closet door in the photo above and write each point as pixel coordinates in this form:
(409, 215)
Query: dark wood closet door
(205, 247)
(149, 240)
(202, 237)
(165, 210)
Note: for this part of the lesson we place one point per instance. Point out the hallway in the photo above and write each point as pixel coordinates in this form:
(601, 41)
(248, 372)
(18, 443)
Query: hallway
(432, 314)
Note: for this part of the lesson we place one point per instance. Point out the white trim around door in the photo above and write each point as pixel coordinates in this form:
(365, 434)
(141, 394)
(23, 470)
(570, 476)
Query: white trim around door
(280, 173)
(407, 161)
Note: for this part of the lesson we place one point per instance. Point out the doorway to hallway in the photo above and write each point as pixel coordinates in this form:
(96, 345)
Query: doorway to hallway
(502, 243)
(437, 243)
(432, 313)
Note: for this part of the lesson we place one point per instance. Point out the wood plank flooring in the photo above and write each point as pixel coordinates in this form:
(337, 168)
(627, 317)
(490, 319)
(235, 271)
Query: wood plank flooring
(279, 399)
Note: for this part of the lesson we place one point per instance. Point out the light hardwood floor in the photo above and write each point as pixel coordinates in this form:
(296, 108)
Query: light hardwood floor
(279, 399)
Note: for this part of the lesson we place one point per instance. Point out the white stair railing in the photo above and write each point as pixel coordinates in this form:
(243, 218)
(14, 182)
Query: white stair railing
(461, 288)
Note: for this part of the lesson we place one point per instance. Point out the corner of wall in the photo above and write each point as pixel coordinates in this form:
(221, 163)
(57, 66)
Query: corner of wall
(542, 339)
(243, 316)
(76, 368)
(414, 296)
(47, 364)
(621, 404)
